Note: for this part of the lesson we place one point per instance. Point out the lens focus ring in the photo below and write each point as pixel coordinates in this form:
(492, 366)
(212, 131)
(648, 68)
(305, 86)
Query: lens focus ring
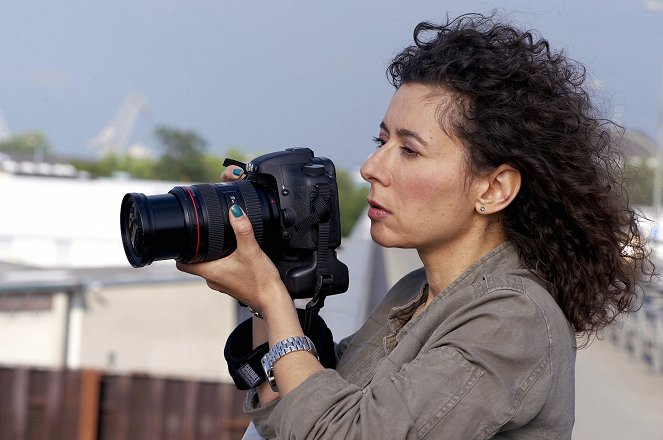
(252, 207)
(216, 220)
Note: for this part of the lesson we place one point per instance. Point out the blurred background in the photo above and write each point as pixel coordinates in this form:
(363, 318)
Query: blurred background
(98, 99)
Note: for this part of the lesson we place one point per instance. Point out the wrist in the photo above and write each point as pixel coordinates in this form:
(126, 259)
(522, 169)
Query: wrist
(259, 332)
(279, 303)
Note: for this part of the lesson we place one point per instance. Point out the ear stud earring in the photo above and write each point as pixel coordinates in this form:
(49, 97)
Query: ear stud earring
(482, 209)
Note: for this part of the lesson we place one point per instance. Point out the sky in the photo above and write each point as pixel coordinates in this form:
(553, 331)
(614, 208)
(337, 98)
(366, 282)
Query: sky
(265, 75)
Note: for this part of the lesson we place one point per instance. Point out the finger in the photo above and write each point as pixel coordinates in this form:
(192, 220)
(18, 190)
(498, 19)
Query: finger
(232, 172)
(214, 286)
(206, 270)
(243, 229)
(188, 268)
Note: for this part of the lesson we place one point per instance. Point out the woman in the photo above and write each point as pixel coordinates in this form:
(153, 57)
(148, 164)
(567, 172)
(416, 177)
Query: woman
(492, 164)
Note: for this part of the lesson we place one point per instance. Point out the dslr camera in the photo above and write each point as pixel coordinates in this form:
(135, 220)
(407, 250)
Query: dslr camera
(291, 199)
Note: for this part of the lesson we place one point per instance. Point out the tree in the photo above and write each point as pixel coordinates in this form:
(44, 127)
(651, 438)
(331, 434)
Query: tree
(351, 199)
(640, 156)
(640, 185)
(30, 142)
(184, 156)
(111, 163)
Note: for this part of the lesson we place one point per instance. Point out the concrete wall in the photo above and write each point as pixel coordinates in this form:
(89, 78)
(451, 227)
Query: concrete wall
(171, 329)
(35, 337)
(174, 328)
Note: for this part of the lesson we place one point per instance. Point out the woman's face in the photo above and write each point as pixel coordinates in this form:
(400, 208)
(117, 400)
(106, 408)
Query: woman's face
(420, 195)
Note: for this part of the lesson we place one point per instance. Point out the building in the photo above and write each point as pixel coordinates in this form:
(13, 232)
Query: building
(154, 320)
(68, 297)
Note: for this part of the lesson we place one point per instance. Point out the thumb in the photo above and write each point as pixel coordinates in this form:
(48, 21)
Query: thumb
(243, 229)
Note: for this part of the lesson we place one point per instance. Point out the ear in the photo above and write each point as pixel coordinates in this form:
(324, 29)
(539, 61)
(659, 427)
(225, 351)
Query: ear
(498, 189)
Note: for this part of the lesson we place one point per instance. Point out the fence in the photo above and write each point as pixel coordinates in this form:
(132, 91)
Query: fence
(64, 404)
(641, 332)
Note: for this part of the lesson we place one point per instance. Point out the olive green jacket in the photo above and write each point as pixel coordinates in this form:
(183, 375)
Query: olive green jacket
(491, 357)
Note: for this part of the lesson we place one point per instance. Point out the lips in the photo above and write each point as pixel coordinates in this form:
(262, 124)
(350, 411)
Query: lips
(375, 204)
(376, 211)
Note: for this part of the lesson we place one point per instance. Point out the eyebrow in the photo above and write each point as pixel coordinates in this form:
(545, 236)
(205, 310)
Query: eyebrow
(404, 132)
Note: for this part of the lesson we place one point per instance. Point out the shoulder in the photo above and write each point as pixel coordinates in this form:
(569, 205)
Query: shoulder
(516, 312)
(499, 327)
(499, 310)
(522, 290)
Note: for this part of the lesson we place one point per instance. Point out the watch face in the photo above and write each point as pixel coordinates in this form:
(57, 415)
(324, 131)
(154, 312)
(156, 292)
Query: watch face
(266, 364)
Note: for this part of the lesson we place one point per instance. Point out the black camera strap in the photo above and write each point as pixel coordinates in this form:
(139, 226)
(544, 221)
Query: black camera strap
(323, 282)
(244, 363)
(228, 162)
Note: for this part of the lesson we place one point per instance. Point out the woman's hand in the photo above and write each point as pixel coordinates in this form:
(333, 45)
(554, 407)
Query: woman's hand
(247, 274)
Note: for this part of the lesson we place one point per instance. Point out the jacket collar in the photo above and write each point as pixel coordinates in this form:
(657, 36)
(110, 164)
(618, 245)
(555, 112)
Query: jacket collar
(503, 258)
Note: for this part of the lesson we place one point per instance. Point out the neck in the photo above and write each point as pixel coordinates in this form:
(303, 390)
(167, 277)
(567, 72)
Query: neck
(444, 264)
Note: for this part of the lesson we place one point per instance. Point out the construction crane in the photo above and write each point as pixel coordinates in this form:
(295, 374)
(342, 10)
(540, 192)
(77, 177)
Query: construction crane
(113, 138)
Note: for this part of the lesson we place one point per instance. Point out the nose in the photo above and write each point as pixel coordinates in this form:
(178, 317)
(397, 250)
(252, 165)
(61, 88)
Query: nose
(378, 167)
(374, 169)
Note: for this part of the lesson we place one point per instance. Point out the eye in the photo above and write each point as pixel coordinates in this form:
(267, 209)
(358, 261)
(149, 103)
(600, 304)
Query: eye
(379, 142)
(409, 152)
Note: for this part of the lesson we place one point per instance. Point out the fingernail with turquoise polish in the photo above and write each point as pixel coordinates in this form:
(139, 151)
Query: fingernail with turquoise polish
(237, 172)
(236, 210)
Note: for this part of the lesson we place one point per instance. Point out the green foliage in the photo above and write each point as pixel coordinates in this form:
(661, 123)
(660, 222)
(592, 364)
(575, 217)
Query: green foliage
(27, 143)
(352, 200)
(143, 168)
(184, 156)
(640, 185)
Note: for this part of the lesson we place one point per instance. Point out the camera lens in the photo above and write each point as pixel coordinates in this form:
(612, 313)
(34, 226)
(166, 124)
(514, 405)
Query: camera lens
(190, 224)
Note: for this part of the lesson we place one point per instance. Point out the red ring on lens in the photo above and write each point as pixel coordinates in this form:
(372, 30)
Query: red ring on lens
(195, 209)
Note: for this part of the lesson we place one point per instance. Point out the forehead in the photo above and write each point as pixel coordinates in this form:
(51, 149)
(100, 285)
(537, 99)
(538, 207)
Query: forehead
(419, 104)
(428, 110)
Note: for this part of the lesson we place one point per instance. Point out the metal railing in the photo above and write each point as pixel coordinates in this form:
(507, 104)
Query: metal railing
(641, 332)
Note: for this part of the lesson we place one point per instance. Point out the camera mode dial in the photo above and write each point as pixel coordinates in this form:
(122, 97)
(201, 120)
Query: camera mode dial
(313, 169)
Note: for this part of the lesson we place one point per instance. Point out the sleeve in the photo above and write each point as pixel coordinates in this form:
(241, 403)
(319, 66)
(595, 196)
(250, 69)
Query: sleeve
(468, 379)
(259, 415)
(340, 347)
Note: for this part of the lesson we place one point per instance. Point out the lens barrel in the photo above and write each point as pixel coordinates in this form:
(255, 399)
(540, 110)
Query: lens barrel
(190, 224)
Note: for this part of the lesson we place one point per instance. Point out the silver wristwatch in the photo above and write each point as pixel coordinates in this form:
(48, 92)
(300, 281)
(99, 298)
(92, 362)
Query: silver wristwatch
(280, 349)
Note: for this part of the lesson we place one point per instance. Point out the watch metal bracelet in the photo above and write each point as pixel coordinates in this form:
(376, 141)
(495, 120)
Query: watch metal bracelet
(280, 349)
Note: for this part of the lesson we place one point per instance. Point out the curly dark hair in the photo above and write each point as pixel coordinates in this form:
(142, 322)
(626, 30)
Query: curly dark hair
(520, 103)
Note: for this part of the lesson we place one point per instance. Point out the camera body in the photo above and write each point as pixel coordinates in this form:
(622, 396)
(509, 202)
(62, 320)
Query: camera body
(291, 199)
(309, 219)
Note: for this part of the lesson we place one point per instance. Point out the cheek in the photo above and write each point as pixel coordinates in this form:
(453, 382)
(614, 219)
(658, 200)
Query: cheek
(433, 195)
(421, 196)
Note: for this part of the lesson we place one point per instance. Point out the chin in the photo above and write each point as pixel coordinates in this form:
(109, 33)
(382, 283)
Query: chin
(388, 240)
